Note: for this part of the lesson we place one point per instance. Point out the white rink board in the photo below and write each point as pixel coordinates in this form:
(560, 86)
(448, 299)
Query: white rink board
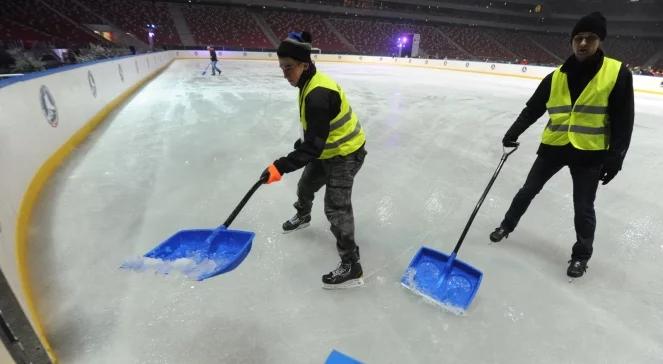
(29, 137)
(640, 83)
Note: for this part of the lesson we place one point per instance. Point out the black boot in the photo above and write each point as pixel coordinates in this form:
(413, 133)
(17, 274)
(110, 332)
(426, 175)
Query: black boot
(296, 223)
(499, 234)
(577, 268)
(345, 276)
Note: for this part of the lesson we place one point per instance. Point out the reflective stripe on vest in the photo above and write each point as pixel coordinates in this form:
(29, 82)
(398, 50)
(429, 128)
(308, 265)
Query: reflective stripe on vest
(345, 132)
(585, 124)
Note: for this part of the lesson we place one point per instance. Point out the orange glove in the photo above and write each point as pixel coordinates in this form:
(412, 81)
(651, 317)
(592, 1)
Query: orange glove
(270, 174)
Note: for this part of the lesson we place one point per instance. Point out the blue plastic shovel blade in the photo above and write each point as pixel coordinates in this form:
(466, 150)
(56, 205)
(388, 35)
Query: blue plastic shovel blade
(339, 358)
(227, 248)
(442, 278)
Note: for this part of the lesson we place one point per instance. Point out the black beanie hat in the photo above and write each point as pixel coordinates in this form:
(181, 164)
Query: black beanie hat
(594, 22)
(297, 46)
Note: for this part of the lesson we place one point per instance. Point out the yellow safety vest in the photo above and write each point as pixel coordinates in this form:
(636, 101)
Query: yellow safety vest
(584, 124)
(345, 133)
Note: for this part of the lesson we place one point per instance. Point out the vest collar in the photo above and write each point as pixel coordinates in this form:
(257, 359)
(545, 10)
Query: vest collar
(590, 65)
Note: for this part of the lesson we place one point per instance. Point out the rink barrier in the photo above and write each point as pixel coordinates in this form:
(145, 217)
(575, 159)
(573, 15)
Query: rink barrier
(448, 68)
(644, 84)
(85, 100)
(36, 186)
(40, 74)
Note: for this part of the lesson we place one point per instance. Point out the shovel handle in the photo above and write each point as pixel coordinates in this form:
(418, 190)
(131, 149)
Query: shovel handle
(239, 207)
(505, 155)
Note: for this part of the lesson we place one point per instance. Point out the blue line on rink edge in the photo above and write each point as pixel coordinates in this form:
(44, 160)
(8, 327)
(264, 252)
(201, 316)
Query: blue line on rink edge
(32, 75)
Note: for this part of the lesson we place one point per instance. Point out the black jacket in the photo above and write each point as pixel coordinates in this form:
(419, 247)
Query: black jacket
(620, 112)
(322, 106)
(212, 55)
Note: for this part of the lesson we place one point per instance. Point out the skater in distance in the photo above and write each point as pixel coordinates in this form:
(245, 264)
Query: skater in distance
(213, 60)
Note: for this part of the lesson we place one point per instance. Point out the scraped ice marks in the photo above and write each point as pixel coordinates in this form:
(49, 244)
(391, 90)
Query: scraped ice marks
(572, 279)
(190, 268)
(513, 314)
(434, 206)
(640, 229)
(424, 280)
(385, 210)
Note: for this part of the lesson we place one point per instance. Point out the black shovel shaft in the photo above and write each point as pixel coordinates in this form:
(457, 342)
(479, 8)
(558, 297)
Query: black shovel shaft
(505, 155)
(239, 207)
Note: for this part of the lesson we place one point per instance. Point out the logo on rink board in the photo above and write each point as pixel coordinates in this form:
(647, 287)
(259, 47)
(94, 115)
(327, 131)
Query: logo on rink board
(121, 72)
(524, 69)
(93, 85)
(48, 106)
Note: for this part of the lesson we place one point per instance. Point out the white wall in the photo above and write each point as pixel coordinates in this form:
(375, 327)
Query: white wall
(641, 83)
(28, 138)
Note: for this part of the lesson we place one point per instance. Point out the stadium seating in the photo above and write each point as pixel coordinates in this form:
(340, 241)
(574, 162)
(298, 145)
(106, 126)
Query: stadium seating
(133, 17)
(225, 26)
(62, 23)
(281, 23)
(31, 20)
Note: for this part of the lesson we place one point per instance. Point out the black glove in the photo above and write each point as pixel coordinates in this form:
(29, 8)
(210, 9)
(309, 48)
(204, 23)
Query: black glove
(610, 167)
(510, 141)
(298, 142)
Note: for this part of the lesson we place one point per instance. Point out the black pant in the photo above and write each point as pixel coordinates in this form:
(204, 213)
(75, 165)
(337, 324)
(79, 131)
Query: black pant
(338, 175)
(585, 182)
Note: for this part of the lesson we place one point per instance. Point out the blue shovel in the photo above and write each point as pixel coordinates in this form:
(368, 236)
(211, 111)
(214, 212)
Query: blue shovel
(225, 248)
(442, 278)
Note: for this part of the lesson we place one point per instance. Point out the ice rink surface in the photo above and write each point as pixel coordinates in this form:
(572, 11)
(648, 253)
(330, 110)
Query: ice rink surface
(182, 152)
